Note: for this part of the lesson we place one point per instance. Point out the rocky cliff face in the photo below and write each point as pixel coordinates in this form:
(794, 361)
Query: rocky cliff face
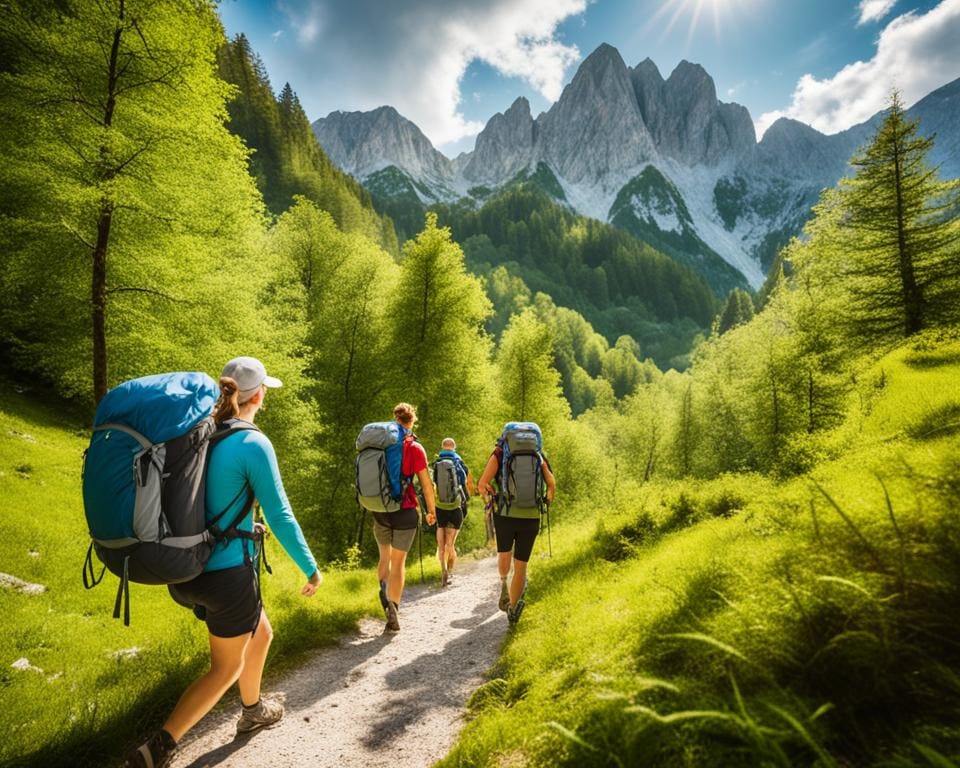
(504, 147)
(726, 202)
(364, 143)
(595, 130)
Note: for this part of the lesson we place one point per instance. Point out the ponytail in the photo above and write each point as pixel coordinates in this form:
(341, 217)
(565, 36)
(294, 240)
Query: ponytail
(228, 406)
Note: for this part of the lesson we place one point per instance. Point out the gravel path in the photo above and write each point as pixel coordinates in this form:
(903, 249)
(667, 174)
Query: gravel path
(376, 699)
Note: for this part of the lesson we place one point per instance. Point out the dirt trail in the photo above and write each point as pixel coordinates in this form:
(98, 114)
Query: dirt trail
(375, 699)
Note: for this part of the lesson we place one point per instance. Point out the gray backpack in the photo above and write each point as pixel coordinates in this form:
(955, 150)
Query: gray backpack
(521, 478)
(380, 484)
(450, 490)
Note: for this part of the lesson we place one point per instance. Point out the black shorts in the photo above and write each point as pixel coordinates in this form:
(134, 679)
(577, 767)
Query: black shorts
(516, 533)
(228, 600)
(401, 520)
(450, 518)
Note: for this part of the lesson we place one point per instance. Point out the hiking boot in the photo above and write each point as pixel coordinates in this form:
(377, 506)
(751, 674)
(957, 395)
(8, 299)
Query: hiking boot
(155, 752)
(513, 614)
(264, 714)
(504, 603)
(393, 621)
(382, 594)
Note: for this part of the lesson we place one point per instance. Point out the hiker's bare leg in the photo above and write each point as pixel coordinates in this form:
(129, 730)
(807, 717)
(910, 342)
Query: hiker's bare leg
(398, 564)
(441, 547)
(383, 566)
(519, 579)
(254, 657)
(503, 563)
(226, 664)
(452, 548)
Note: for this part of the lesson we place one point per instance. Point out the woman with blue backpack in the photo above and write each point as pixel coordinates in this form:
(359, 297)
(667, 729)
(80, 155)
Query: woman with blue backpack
(519, 480)
(226, 595)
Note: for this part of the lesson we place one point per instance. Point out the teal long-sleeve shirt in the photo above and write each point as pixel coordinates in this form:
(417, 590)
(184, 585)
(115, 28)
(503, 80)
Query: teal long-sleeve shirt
(248, 457)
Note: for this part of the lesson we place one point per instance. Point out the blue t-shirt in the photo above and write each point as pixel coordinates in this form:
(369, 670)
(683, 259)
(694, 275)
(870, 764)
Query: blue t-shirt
(248, 457)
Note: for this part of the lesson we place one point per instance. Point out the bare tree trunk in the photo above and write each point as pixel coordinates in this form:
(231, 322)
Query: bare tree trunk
(98, 286)
(912, 296)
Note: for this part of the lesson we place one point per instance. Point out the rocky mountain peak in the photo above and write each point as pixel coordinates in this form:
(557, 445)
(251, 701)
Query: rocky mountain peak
(364, 142)
(596, 126)
(504, 147)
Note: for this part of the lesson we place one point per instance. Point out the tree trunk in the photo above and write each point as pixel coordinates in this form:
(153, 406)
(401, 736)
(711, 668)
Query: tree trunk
(98, 286)
(99, 301)
(912, 296)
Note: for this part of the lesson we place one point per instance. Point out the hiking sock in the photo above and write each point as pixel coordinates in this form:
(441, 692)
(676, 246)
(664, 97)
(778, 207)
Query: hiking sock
(250, 707)
(169, 743)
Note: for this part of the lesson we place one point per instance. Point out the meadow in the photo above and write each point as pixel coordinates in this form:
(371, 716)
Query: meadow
(743, 621)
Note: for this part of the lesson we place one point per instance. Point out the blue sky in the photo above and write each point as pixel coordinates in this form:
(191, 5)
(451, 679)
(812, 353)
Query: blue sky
(449, 65)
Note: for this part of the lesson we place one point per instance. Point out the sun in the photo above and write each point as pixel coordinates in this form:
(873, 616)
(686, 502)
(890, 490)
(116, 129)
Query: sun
(698, 12)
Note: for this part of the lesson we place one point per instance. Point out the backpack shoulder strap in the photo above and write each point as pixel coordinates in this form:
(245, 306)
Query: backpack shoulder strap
(144, 442)
(227, 428)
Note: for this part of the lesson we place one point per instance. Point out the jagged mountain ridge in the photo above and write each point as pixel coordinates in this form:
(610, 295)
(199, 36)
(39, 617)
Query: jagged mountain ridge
(715, 196)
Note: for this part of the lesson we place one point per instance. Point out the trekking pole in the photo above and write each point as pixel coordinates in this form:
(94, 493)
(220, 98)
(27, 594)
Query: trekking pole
(363, 513)
(545, 511)
(423, 506)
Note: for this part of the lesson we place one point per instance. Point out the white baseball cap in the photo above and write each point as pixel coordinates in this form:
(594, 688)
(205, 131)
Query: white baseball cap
(250, 374)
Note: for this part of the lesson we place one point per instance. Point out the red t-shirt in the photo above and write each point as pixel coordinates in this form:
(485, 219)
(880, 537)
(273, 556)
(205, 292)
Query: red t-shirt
(414, 459)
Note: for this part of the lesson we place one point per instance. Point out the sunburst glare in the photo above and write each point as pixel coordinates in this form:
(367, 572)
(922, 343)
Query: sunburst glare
(696, 12)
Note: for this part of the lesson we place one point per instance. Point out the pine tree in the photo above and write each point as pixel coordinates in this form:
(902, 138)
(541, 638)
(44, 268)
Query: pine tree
(902, 233)
(737, 310)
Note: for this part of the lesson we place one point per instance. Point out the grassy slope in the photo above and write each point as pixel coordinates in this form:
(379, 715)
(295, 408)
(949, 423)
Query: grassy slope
(720, 623)
(88, 704)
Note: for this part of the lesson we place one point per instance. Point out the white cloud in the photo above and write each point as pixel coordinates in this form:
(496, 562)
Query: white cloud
(874, 10)
(413, 55)
(916, 53)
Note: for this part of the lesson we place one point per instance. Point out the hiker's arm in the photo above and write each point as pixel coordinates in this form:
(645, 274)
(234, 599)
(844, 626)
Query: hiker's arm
(426, 485)
(551, 483)
(264, 477)
(471, 484)
(489, 471)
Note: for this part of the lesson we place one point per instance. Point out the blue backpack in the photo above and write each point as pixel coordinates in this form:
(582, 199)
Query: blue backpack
(521, 481)
(379, 481)
(144, 482)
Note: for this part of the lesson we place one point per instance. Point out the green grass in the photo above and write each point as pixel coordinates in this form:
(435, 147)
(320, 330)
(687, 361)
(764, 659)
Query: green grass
(744, 622)
(92, 700)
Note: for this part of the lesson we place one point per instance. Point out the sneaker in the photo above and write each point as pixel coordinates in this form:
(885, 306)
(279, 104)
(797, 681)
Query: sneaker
(382, 594)
(393, 620)
(153, 753)
(264, 714)
(513, 614)
(504, 603)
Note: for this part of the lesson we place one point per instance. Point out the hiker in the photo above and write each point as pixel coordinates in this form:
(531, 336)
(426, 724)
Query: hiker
(454, 486)
(395, 531)
(520, 471)
(227, 594)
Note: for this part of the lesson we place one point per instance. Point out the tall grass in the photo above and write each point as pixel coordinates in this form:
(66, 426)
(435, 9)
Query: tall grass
(745, 622)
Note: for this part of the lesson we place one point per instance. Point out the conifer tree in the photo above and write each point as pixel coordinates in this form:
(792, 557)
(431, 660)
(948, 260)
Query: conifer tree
(737, 310)
(902, 233)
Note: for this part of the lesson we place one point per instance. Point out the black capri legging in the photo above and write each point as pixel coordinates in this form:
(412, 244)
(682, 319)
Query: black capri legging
(516, 533)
